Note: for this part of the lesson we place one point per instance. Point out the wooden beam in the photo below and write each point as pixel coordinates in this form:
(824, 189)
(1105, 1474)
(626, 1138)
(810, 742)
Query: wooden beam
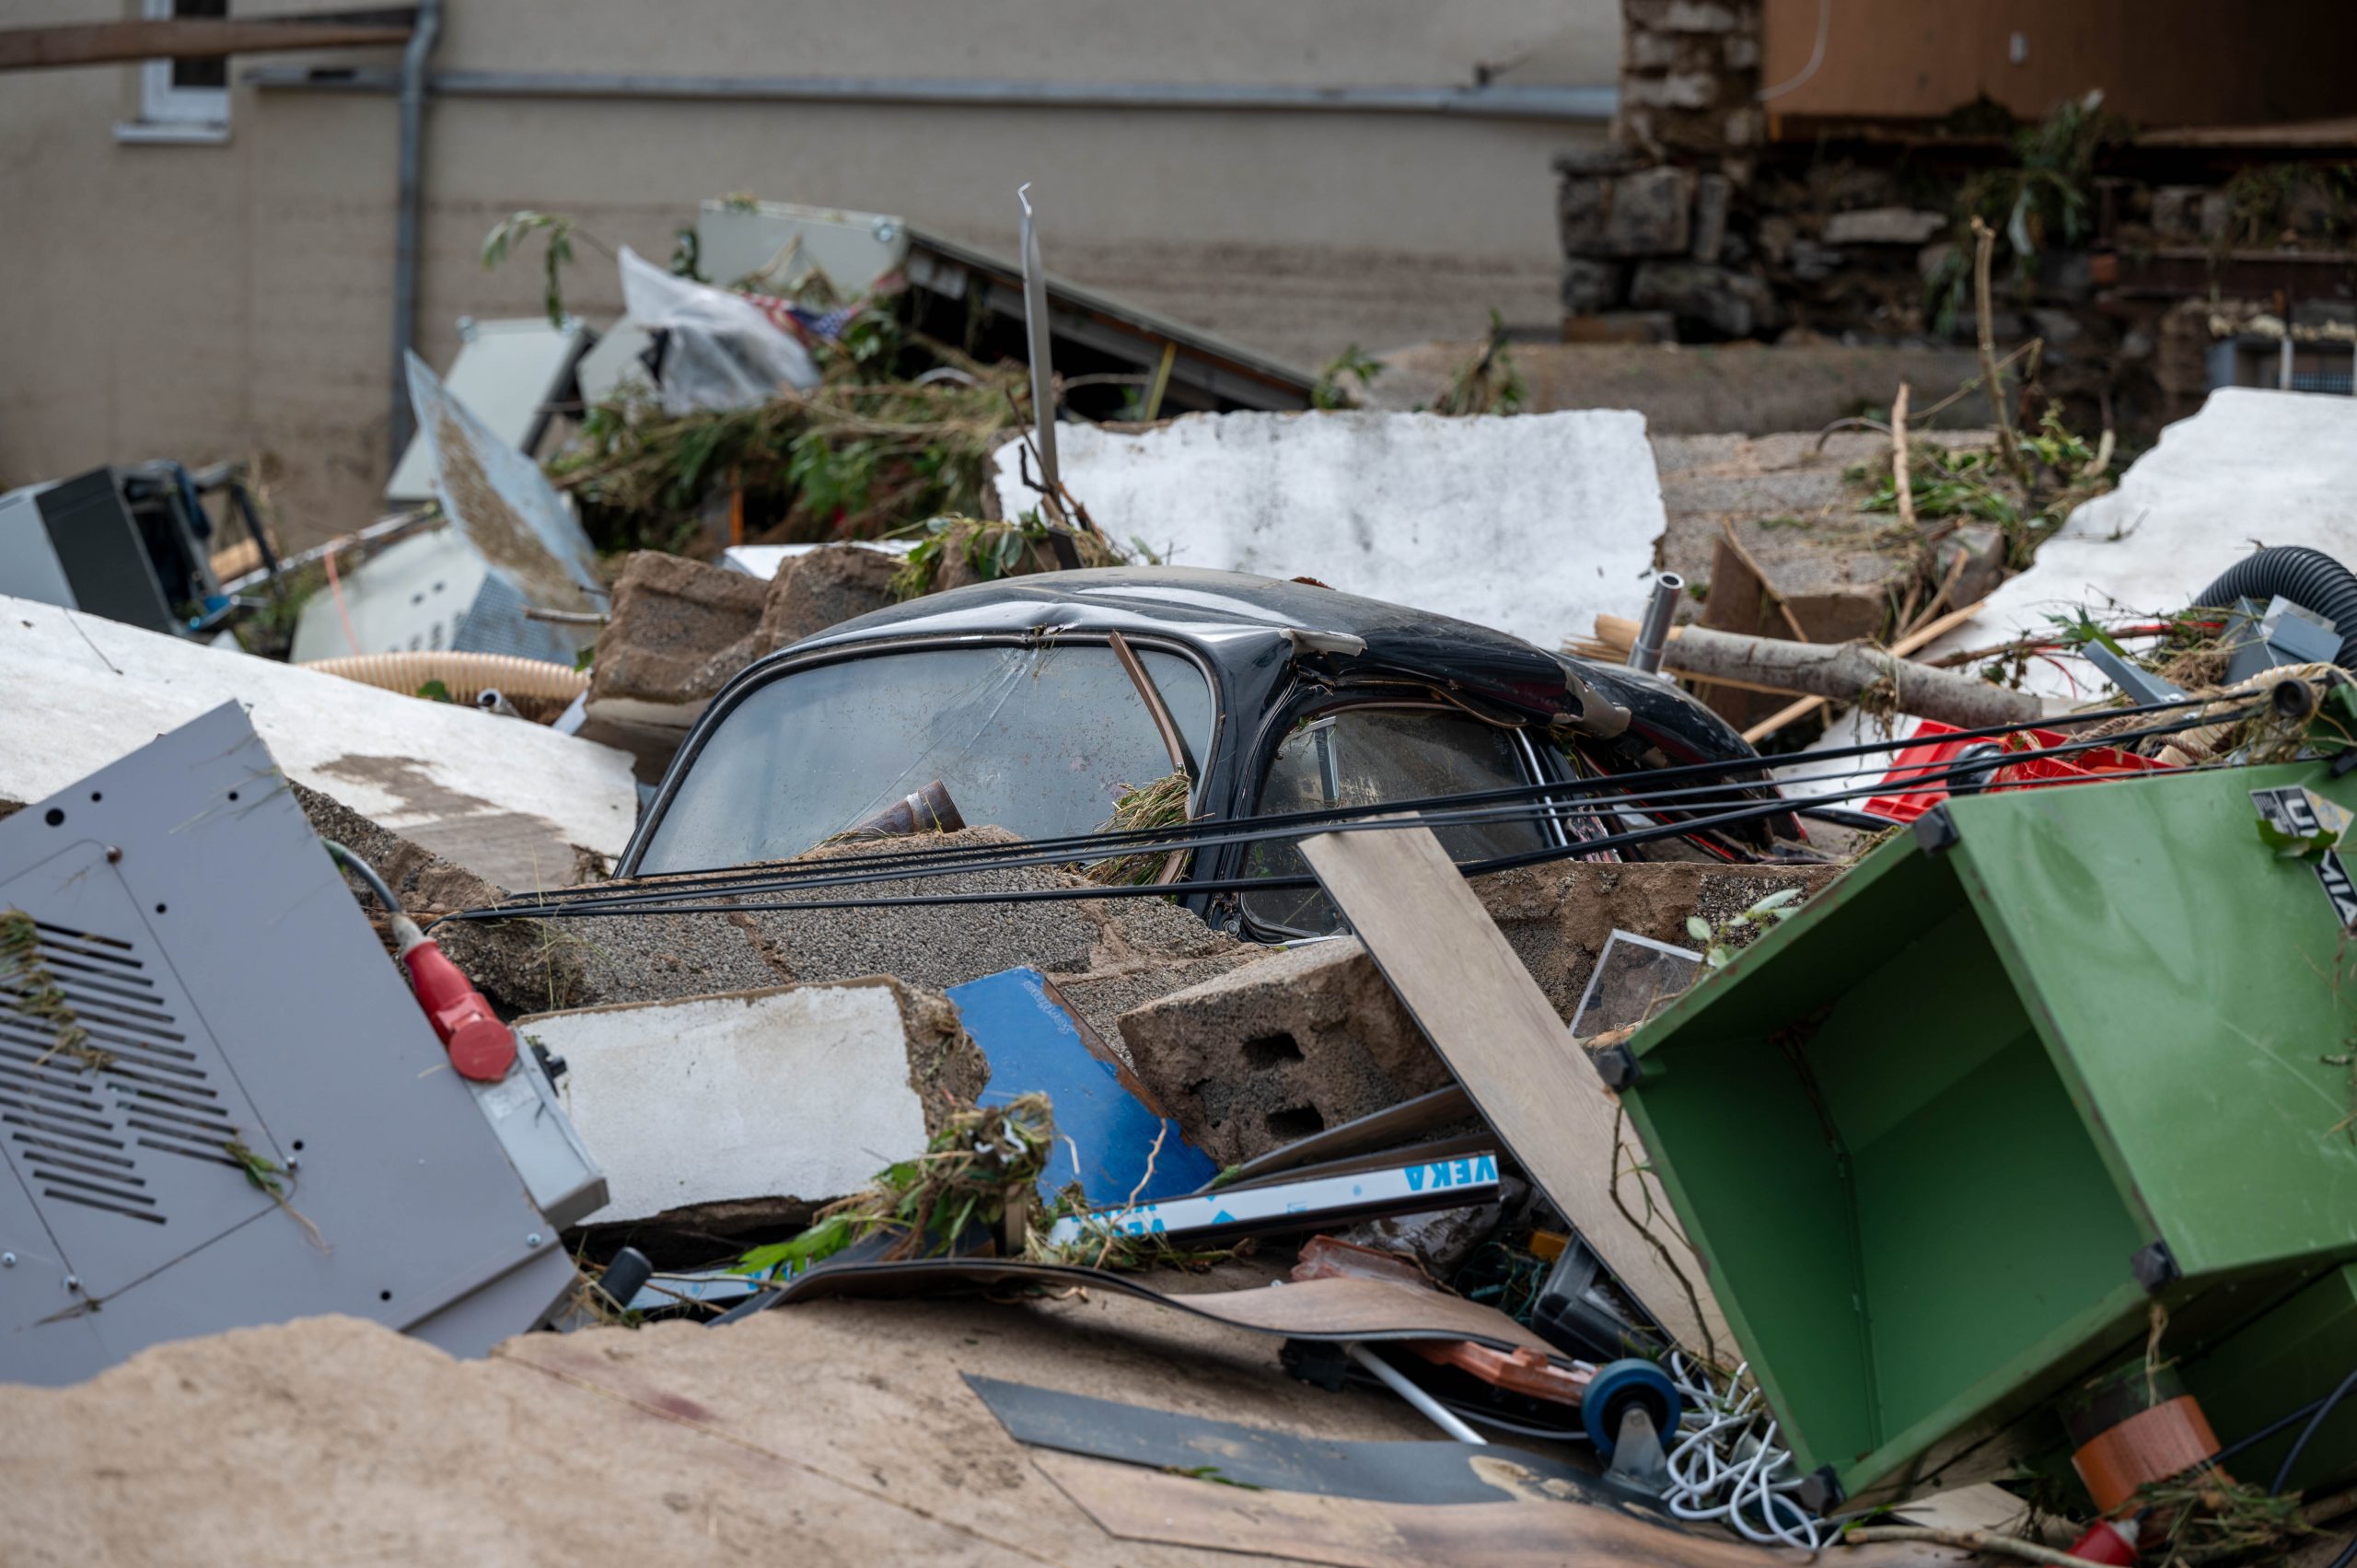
(195, 38)
(1462, 983)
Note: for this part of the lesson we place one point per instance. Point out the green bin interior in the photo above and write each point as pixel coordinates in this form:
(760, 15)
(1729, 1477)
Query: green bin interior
(1914, 1155)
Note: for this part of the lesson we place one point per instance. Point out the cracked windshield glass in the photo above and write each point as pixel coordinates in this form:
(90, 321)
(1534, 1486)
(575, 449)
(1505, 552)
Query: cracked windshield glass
(1041, 741)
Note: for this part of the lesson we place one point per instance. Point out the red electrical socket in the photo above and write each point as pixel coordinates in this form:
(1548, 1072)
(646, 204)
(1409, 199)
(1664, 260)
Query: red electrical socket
(2107, 1540)
(481, 1047)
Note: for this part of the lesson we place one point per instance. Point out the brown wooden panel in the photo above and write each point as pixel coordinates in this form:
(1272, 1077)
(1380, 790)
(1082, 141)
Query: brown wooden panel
(2158, 62)
(189, 38)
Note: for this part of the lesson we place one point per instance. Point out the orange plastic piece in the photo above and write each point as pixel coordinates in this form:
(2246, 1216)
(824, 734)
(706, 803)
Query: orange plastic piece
(1526, 1372)
(1548, 1245)
(2154, 1444)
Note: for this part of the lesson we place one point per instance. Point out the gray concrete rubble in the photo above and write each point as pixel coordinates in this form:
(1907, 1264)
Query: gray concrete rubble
(1106, 956)
(829, 586)
(1313, 1037)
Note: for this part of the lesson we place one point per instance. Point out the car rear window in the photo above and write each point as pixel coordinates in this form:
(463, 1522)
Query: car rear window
(1038, 740)
(1365, 757)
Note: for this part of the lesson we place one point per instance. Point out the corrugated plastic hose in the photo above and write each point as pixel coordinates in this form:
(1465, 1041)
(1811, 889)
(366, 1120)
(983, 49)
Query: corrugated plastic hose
(466, 676)
(2309, 578)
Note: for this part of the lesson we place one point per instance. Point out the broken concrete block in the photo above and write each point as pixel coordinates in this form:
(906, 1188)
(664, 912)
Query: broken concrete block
(1299, 1042)
(678, 631)
(1720, 299)
(1314, 1036)
(832, 584)
(1884, 226)
(783, 1098)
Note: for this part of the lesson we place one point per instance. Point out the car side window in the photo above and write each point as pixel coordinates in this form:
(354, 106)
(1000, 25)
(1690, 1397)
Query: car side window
(1364, 756)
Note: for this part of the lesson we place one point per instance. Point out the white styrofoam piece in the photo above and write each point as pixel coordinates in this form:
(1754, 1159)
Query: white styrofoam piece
(506, 372)
(764, 561)
(801, 1092)
(409, 596)
(504, 799)
(2253, 467)
(1533, 524)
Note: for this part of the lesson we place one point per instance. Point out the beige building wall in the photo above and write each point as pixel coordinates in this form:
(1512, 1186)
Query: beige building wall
(209, 301)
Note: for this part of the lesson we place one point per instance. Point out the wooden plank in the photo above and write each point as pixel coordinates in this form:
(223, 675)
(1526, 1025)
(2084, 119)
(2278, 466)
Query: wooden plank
(1472, 997)
(188, 37)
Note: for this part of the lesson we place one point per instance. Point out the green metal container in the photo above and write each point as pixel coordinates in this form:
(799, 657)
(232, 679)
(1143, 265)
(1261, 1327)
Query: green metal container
(1943, 1139)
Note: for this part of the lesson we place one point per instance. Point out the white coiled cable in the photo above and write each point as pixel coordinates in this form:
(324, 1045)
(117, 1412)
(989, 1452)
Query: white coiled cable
(1726, 1463)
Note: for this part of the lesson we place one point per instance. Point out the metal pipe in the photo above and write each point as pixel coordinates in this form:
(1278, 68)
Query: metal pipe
(1560, 104)
(1432, 1410)
(1035, 327)
(407, 218)
(1652, 631)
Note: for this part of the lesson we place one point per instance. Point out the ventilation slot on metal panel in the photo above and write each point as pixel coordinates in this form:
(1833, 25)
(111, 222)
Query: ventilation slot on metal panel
(92, 1070)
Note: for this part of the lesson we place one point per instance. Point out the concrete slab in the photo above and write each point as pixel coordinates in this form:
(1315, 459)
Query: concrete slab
(1532, 524)
(801, 1092)
(504, 799)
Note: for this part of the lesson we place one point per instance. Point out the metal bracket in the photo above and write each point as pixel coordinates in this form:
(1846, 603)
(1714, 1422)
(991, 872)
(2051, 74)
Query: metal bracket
(1618, 1067)
(2155, 1266)
(1935, 831)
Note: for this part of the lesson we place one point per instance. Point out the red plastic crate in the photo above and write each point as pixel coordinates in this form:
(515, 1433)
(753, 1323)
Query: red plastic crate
(1927, 753)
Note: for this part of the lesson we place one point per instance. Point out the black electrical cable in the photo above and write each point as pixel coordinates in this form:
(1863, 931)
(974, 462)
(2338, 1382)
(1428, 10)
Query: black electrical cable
(366, 872)
(903, 867)
(662, 897)
(1615, 786)
(2324, 1413)
(1863, 821)
(642, 904)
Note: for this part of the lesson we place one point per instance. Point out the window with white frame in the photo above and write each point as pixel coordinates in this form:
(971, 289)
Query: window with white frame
(182, 100)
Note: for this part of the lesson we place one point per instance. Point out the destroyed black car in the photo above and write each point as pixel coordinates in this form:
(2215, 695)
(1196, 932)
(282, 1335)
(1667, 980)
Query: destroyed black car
(1282, 696)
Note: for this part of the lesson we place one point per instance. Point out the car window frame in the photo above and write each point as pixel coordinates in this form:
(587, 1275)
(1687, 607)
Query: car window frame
(709, 722)
(1538, 765)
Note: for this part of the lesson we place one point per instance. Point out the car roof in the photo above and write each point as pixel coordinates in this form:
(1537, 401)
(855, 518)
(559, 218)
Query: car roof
(1215, 607)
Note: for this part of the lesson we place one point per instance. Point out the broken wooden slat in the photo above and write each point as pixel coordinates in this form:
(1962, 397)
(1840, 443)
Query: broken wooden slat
(195, 38)
(1460, 979)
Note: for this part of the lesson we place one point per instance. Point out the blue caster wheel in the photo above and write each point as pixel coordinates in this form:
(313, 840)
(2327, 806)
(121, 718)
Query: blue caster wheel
(1616, 1384)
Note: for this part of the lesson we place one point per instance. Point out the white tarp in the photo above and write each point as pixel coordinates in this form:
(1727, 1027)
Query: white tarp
(499, 796)
(1533, 524)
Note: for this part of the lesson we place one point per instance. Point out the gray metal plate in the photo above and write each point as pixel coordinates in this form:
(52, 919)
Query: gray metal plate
(298, 1034)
